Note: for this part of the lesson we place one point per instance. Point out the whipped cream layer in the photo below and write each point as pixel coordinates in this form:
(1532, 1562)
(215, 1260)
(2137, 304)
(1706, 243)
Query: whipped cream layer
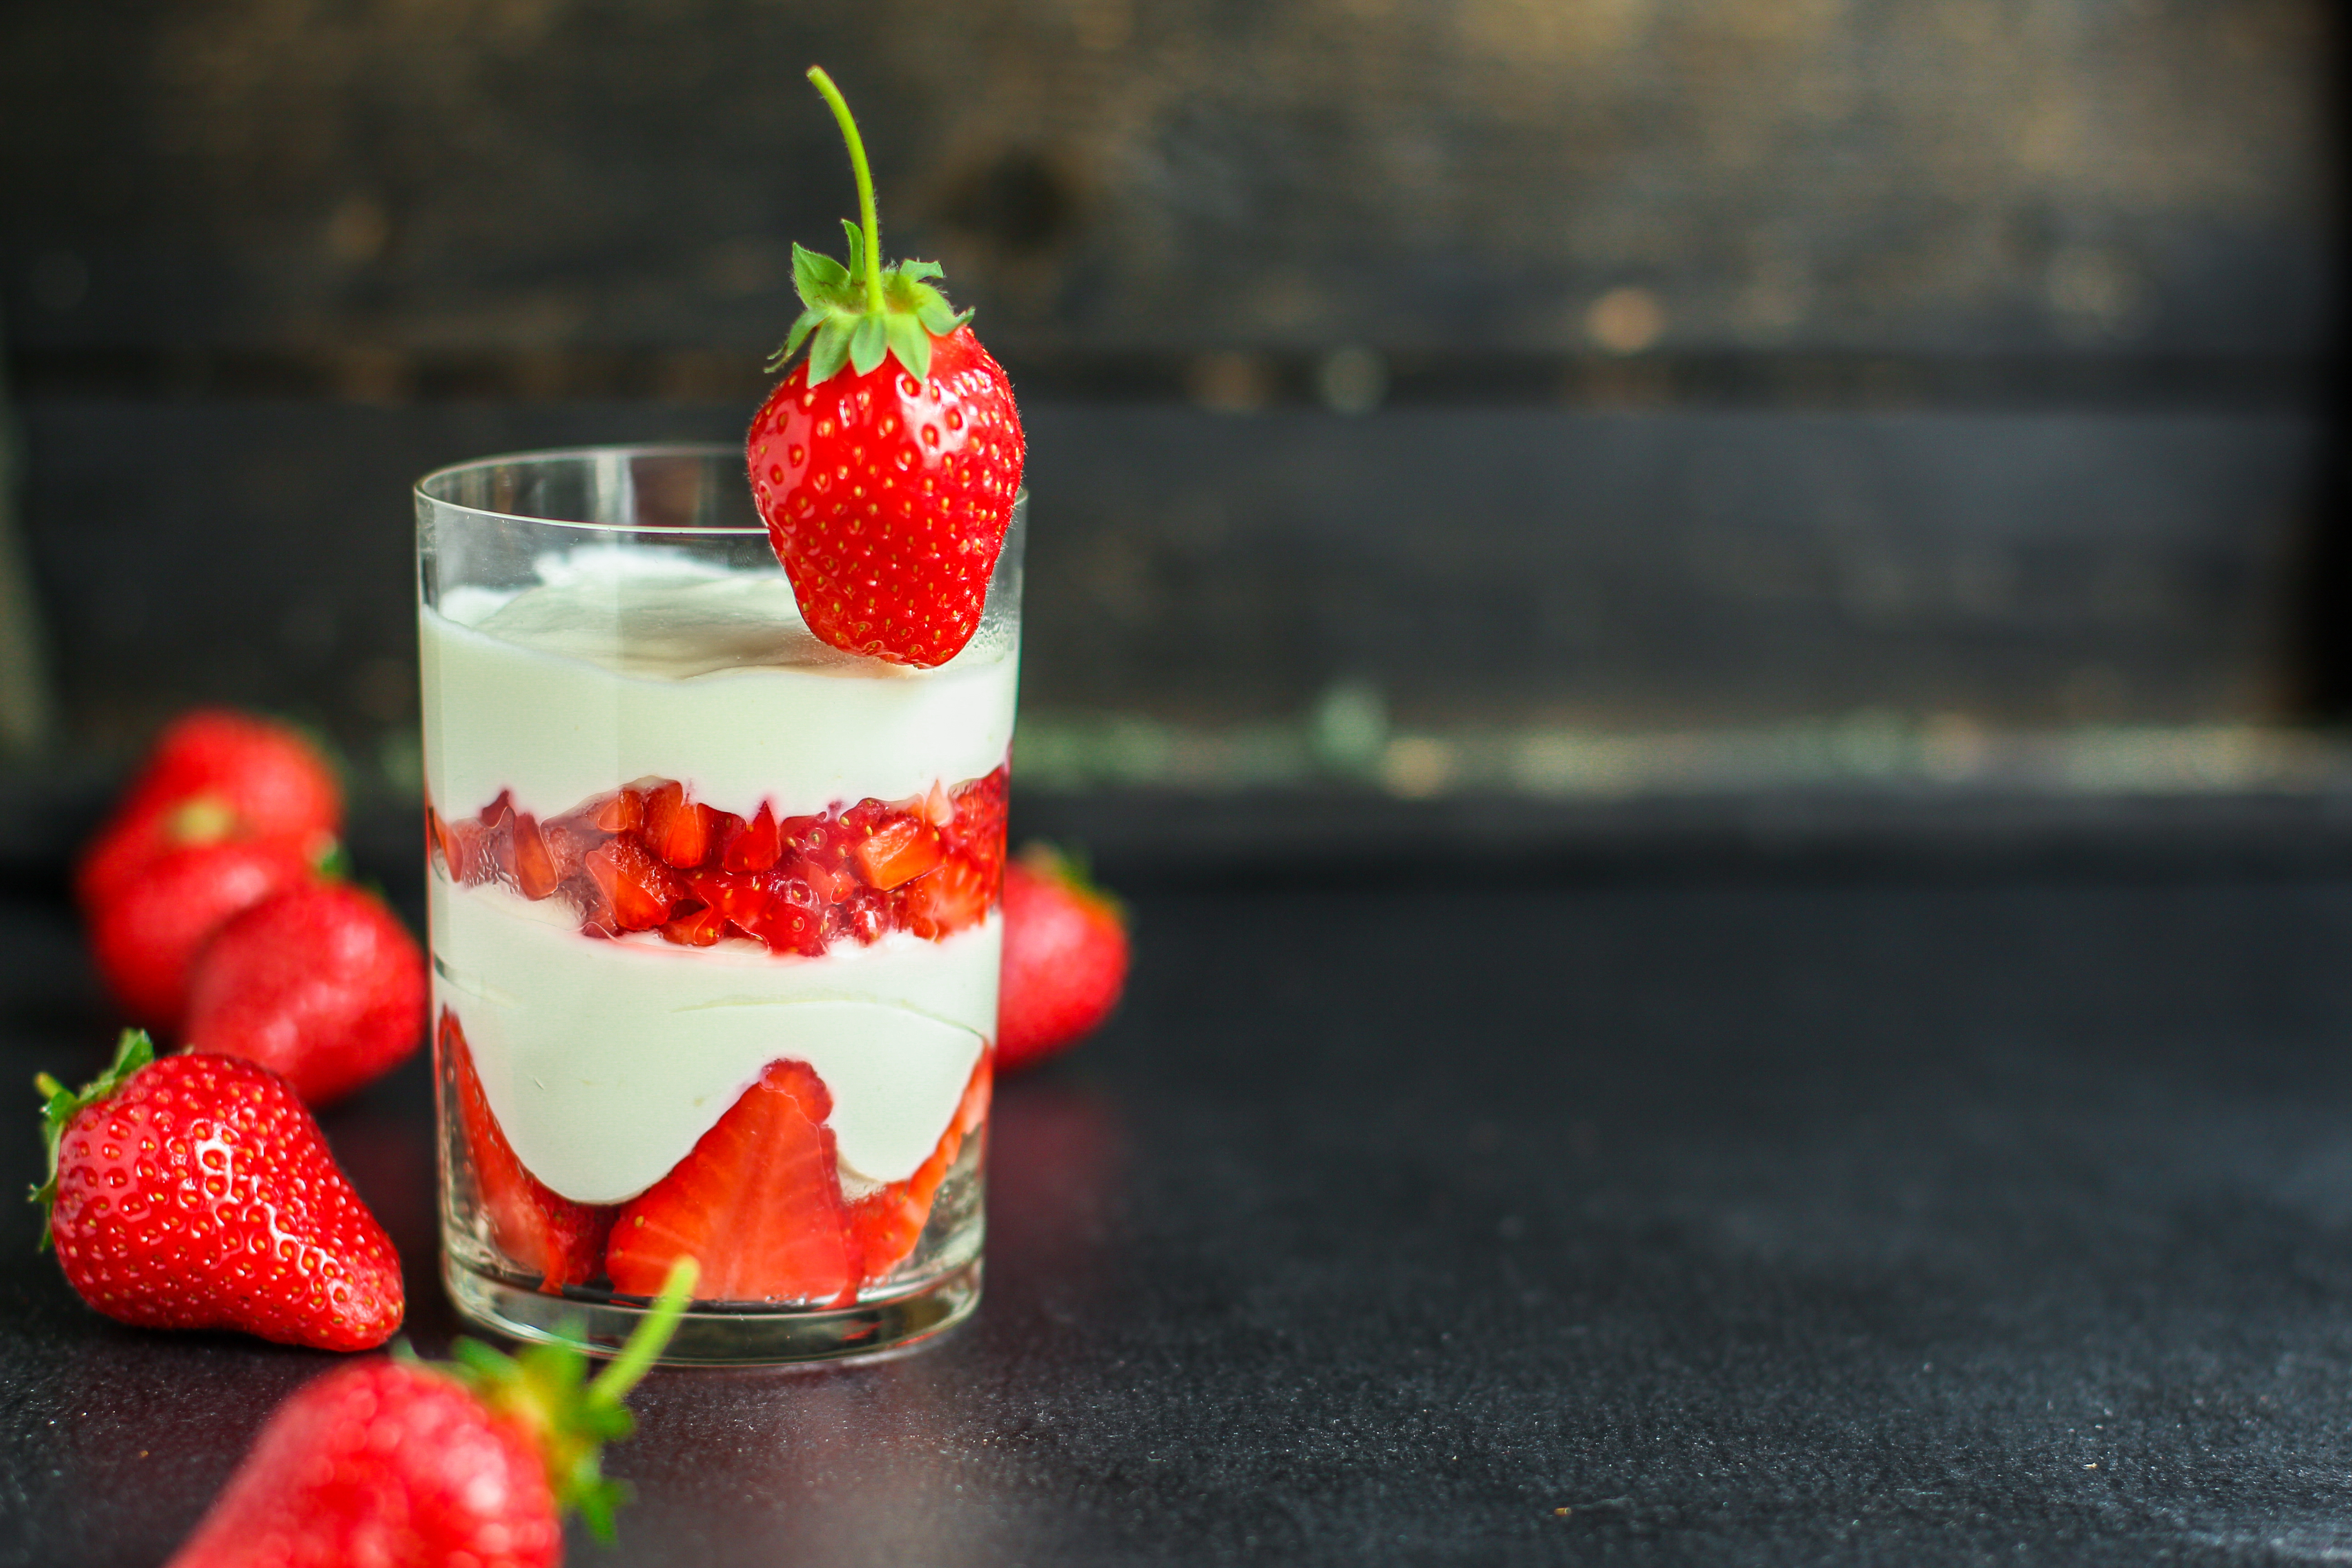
(606, 1061)
(628, 663)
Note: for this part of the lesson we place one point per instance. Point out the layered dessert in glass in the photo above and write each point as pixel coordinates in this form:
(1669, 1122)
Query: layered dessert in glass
(714, 918)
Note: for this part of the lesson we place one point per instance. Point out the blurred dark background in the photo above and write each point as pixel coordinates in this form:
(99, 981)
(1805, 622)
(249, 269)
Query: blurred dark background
(1580, 400)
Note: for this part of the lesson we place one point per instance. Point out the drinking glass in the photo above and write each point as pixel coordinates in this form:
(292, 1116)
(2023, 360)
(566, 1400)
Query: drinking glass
(715, 919)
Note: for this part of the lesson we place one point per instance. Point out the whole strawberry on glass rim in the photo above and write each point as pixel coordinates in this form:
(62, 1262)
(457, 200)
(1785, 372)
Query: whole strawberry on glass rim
(887, 462)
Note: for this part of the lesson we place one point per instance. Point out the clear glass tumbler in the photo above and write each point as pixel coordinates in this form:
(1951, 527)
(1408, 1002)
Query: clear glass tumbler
(715, 919)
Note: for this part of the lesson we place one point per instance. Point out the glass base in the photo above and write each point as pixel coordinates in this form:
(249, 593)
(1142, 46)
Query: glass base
(741, 1336)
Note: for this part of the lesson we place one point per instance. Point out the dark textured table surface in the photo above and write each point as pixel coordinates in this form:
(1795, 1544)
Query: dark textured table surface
(1751, 1215)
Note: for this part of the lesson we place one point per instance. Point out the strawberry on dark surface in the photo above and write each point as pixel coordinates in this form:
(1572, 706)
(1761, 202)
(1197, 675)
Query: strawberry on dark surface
(388, 1462)
(1065, 956)
(194, 1192)
(319, 982)
(214, 774)
(758, 1202)
(147, 935)
(885, 464)
(394, 1463)
(544, 1232)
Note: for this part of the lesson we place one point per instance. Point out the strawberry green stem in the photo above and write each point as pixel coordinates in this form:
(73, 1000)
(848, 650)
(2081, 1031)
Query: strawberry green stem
(644, 1346)
(866, 215)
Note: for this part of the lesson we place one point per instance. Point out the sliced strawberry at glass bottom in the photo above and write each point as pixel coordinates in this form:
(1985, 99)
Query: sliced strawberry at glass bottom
(885, 1224)
(757, 1204)
(543, 1231)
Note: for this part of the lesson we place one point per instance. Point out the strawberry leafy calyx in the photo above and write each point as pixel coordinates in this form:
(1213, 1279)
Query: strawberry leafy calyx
(545, 1387)
(859, 313)
(134, 1052)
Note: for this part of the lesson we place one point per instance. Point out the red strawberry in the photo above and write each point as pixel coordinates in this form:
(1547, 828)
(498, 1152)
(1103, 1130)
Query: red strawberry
(701, 927)
(319, 984)
(1065, 957)
(955, 896)
(680, 831)
(757, 1203)
(546, 1233)
(196, 1193)
(146, 936)
(740, 900)
(640, 889)
(755, 845)
(213, 774)
(888, 490)
(624, 811)
(536, 874)
(901, 849)
(885, 1224)
(975, 830)
(793, 920)
(393, 1462)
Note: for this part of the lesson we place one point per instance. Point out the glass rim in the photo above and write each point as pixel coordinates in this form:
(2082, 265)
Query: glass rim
(548, 455)
(545, 457)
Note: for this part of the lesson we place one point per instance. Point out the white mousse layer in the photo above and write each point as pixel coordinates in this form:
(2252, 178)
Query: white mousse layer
(631, 663)
(606, 1061)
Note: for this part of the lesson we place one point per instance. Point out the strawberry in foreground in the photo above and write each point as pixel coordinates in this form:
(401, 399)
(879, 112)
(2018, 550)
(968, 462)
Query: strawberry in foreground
(885, 464)
(194, 1192)
(397, 1463)
(319, 984)
(146, 937)
(560, 1241)
(1066, 955)
(214, 774)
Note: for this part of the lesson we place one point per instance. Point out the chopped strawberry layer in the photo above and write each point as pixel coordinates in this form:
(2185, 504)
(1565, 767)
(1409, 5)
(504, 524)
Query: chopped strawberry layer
(541, 1231)
(650, 858)
(757, 1204)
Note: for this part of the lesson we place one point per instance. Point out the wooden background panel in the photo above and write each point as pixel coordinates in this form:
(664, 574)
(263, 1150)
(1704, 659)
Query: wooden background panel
(1543, 567)
(1919, 176)
(1667, 567)
(1744, 359)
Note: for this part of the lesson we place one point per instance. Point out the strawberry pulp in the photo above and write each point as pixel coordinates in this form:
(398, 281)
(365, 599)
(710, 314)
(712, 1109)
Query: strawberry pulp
(648, 859)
